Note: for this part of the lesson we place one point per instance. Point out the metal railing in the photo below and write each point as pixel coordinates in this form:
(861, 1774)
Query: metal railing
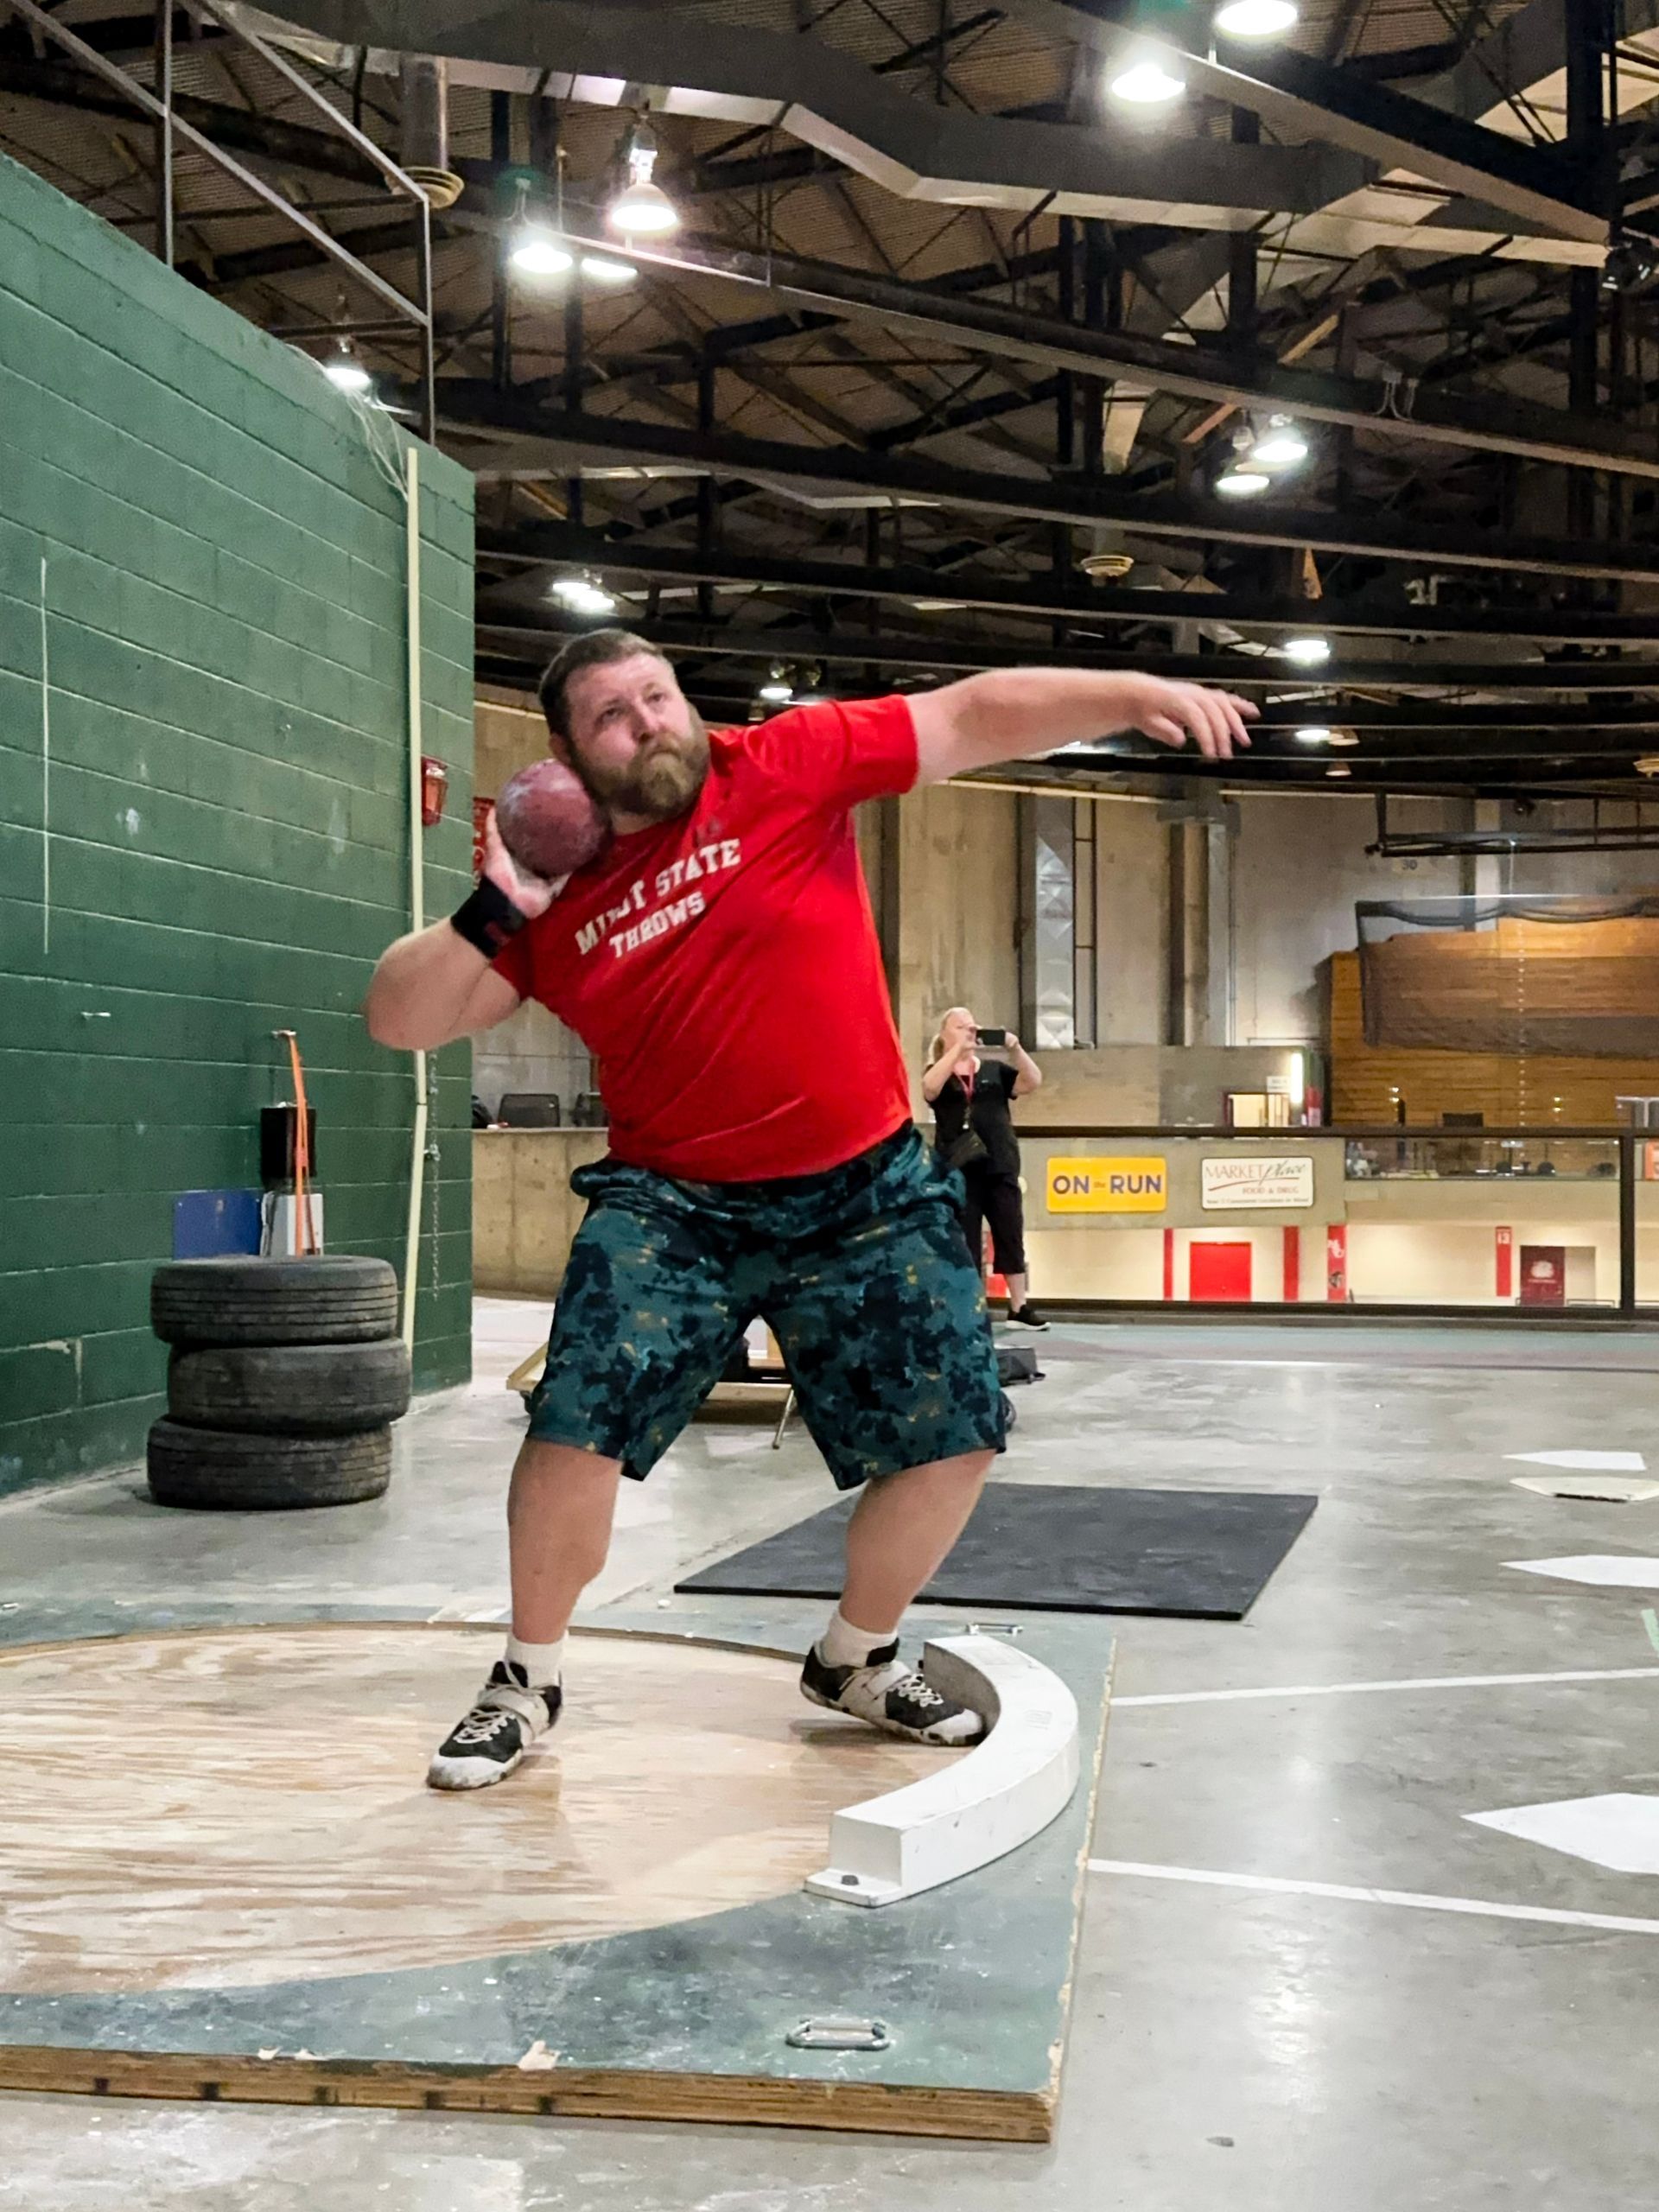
(170, 125)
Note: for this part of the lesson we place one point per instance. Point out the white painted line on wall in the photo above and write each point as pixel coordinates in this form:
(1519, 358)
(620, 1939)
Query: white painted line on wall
(1345, 1893)
(1407, 1682)
(46, 776)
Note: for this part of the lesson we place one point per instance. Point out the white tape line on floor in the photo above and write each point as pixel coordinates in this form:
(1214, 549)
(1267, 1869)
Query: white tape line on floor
(1406, 1682)
(1276, 1885)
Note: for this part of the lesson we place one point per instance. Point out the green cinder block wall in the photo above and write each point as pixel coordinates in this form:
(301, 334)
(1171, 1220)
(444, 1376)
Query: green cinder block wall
(203, 814)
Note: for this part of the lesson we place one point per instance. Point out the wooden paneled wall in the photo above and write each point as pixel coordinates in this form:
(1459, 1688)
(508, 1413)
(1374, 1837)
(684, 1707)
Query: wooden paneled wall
(1506, 1088)
(1571, 989)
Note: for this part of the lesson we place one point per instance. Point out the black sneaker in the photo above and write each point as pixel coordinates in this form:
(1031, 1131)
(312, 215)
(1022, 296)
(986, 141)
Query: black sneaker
(1026, 1318)
(506, 1718)
(887, 1694)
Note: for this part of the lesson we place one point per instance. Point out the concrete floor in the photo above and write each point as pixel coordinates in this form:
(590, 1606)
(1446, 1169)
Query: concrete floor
(1234, 2050)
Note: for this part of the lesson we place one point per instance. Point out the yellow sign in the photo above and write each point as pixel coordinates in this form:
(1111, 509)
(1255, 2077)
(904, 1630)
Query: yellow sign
(1107, 1186)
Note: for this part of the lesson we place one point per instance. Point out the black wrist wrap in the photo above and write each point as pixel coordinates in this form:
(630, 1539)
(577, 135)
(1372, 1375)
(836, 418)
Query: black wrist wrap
(488, 918)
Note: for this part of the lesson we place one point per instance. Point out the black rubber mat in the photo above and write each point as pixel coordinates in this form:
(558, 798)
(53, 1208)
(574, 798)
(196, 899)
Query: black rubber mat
(1060, 1549)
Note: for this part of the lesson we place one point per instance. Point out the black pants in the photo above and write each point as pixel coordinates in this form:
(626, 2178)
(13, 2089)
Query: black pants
(993, 1195)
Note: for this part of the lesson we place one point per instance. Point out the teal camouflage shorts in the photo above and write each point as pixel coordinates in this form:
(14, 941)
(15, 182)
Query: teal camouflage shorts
(862, 1275)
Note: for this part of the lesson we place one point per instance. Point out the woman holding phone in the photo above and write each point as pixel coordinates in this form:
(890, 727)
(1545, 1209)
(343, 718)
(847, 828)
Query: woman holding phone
(974, 1135)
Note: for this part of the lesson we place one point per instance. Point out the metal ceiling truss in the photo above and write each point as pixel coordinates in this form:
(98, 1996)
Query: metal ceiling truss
(1518, 199)
(1385, 408)
(1063, 599)
(1462, 169)
(1247, 672)
(1543, 186)
(513, 438)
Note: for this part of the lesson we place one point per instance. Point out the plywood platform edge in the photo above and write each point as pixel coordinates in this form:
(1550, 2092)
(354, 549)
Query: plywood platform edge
(984, 2115)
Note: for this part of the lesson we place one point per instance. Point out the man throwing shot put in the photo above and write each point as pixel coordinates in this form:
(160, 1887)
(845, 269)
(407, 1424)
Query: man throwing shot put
(720, 961)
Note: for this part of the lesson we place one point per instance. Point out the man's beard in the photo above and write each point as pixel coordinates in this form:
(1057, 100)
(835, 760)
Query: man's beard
(658, 783)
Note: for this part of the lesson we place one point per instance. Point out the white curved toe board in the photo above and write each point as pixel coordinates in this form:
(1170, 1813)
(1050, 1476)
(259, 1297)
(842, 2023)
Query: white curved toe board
(978, 1808)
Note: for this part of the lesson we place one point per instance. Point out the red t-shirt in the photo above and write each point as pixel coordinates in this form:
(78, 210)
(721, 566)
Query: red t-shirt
(723, 968)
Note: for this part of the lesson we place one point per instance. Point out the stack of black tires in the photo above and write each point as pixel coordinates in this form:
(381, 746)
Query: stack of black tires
(284, 1380)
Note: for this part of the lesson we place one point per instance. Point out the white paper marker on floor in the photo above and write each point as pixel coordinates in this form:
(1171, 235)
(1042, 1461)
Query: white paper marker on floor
(1628, 1463)
(1595, 1490)
(1619, 1831)
(1613, 1570)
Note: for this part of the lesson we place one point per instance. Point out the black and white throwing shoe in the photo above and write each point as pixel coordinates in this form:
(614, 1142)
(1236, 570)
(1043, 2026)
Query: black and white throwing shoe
(887, 1694)
(506, 1718)
(1026, 1318)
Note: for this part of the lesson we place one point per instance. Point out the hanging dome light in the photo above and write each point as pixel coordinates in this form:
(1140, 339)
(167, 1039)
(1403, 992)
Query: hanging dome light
(1256, 18)
(1241, 480)
(600, 269)
(582, 595)
(1308, 653)
(641, 209)
(1282, 445)
(1148, 81)
(345, 372)
(537, 252)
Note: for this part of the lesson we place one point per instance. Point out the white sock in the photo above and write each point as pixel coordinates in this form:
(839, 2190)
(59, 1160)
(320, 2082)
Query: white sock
(844, 1645)
(543, 1663)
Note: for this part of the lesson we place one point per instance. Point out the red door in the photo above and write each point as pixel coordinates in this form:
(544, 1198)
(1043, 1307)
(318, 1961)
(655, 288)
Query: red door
(1219, 1271)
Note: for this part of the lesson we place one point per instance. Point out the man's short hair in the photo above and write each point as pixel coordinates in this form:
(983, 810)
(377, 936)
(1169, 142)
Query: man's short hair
(592, 649)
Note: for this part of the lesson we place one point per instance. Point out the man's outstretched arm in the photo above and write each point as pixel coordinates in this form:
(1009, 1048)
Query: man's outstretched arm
(1011, 713)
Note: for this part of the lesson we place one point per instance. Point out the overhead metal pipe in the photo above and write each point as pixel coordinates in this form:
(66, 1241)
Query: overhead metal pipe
(423, 83)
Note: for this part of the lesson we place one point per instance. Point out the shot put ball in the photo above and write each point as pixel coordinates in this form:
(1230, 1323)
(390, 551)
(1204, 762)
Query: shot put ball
(548, 822)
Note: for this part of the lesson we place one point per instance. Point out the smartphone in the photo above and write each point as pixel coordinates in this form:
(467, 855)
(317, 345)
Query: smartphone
(991, 1037)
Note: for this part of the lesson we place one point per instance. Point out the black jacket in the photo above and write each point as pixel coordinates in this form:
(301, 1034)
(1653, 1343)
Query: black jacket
(992, 1123)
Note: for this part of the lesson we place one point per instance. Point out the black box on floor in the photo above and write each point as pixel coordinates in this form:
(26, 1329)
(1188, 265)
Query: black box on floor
(1017, 1364)
(278, 1127)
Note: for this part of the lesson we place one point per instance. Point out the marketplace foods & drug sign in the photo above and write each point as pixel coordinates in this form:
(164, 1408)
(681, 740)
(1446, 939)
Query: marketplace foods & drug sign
(1236, 1184)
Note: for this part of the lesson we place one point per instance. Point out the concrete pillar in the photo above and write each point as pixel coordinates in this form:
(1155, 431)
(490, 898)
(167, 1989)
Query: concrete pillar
(1199, 1005)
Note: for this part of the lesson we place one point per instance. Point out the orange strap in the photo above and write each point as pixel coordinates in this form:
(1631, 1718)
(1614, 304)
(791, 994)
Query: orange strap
(304, 1240)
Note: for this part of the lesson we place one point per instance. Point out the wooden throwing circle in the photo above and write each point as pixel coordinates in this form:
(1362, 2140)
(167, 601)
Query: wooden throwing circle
(236, 1807)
